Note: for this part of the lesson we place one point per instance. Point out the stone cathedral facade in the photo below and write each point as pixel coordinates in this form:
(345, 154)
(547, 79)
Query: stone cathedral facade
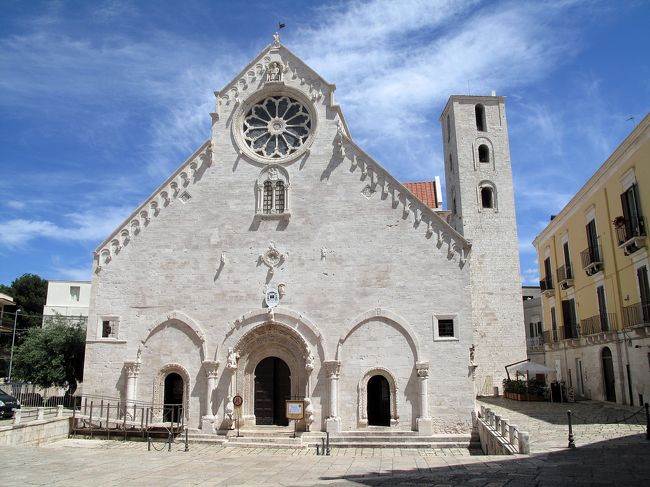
(281, 261)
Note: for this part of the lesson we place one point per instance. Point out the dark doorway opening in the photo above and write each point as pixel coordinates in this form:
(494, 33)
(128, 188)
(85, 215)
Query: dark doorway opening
(272, 389)
(378, 401)
(608, 375)
(173, 409)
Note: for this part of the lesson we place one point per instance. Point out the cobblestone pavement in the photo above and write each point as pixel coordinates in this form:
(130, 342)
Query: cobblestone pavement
(605, 455)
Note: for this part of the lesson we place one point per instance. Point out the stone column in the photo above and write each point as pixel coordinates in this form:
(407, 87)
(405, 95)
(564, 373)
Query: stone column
(229, 410)
(210, 368)
(309, 409)
(424, 421)
(333, 422)
(131, 369)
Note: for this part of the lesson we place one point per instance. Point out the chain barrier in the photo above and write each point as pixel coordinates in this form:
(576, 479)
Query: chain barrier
(645, 410)
(619, 421)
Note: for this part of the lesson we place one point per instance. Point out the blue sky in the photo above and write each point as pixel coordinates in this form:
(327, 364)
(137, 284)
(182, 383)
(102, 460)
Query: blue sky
(101, 100)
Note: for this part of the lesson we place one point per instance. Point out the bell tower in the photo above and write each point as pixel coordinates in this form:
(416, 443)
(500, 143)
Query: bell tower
(480, 198)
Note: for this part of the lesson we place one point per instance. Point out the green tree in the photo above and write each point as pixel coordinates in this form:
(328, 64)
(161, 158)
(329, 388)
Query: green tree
(29, 292)
(52, 355)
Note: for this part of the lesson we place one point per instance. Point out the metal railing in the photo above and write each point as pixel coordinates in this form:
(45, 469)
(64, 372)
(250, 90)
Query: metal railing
(591, 257)
(598, 324)
(109, 415)
(31, 395)
(636, 314)
(564, 272)
(535, 342)
(630, 228)
(546, 284)
(569, 331)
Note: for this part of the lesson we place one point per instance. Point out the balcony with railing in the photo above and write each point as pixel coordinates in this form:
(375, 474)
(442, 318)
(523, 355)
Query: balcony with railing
(630, 233)
(535, 343)
(565, 276)
(569, 331)
(598, 324)
(546, 285)
(592, 261)
(636, 314)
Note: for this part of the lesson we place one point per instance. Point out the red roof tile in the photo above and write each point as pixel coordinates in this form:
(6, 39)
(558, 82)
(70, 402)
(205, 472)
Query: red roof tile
(425, 191)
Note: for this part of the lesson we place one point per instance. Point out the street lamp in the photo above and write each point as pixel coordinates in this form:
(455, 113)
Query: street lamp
(13, 340)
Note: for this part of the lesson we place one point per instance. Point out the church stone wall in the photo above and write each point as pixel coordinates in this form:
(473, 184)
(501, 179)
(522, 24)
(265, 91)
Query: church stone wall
(356, 244)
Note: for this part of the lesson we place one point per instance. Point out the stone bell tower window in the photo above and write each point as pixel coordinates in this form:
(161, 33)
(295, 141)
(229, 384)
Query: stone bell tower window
(483, 153)
(479, 111)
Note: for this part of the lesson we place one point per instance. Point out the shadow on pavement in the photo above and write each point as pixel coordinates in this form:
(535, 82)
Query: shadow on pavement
(623, 461)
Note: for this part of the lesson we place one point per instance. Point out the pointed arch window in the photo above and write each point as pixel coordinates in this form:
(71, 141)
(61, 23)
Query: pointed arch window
(272, 193)
(479, 111)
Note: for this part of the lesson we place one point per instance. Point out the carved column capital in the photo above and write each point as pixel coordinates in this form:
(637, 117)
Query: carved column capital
(132, 368)
(422, 369)
(333, 368)
(210, 367)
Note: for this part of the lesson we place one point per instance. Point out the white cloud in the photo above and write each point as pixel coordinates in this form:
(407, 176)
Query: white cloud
(86, 226)
(15, 205)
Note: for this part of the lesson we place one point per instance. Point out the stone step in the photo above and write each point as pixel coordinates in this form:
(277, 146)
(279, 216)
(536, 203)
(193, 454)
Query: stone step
(264, 440)
(254, 444)
(393, 445)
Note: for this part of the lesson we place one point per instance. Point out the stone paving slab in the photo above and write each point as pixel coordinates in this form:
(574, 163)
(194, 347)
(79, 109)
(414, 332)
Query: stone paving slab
(607, 454)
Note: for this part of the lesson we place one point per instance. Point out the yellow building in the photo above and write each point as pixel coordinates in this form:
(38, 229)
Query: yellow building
(593, 264)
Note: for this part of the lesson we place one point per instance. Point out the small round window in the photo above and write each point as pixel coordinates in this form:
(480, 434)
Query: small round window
(276, 127)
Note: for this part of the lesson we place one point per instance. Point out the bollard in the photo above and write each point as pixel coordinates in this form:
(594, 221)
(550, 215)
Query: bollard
(317, 449)
(512, 429)
(327, 449)
(148, 442)
(647, 422)
(169, 441)
(572, 443)
(524, 443)
(17, 415)
(41, 413)
(187, 447)
(504, 427)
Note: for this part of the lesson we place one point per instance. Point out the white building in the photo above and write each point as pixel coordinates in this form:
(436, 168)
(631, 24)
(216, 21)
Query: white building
(68, 299)
(280, 260)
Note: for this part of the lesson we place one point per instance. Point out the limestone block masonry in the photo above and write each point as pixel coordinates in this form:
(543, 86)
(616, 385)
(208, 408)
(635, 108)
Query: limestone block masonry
(281, 261)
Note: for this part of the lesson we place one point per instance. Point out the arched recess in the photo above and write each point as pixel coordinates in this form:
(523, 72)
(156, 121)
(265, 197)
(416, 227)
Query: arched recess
(159, 390)
(289, 318)
(483, 165)
(397, 321)
(186, 322)
(271, 340)
(363, 395)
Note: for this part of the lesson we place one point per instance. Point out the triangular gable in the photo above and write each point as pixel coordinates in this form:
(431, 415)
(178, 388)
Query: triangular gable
(178, 184)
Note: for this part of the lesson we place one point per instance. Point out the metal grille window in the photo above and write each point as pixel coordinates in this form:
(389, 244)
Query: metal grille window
(446, 328)
(109, 328)
(268, 197)
(279, 197)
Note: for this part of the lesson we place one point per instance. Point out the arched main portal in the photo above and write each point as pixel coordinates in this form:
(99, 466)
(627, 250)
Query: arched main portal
(272, 389)
(608, 375)
(173, 398)
(378, 401)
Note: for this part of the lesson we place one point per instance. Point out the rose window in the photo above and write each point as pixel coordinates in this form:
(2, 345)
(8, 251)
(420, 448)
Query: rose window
(276, 127)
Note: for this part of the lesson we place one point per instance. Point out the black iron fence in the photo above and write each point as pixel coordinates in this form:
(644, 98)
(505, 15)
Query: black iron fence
(591, 256)
(31, 395)
(629, 228)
